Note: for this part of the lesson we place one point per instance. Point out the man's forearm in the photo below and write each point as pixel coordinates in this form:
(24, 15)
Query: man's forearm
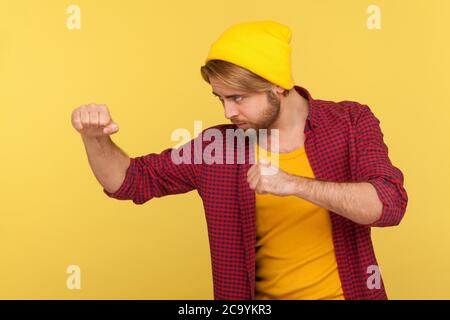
(357, 201)
(108, 162)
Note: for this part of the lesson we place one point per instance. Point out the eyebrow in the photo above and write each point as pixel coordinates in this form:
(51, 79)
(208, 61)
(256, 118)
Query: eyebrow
(229, 96)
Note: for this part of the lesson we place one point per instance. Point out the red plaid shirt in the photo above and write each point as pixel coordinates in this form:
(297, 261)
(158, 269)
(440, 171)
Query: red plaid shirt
(343, 142)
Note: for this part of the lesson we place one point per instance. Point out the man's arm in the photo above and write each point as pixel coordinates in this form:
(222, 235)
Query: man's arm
(357, 201)
(108, 162)
(138, 179)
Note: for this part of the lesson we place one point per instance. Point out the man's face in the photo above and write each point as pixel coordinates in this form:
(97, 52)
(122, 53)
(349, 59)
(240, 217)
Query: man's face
(247, 110)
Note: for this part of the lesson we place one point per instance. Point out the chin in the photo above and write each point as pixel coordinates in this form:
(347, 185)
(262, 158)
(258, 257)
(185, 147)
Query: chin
(245, 126)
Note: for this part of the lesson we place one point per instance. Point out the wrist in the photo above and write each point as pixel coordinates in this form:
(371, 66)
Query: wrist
(299, 184)
(98, 145)
(97, 139)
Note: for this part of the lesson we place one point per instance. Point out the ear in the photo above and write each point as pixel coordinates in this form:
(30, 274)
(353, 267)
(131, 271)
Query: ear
(277, 89)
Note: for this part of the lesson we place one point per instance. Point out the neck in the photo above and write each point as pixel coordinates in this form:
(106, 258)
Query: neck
(291, 121)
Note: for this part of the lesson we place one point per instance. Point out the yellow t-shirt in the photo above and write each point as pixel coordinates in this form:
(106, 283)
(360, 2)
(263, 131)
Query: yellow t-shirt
(295, 256)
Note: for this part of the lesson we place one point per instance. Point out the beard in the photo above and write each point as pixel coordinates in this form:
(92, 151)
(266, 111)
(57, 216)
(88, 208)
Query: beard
(270, 114)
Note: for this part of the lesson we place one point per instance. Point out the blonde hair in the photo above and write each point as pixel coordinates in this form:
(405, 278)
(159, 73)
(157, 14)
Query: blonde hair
(236, 77)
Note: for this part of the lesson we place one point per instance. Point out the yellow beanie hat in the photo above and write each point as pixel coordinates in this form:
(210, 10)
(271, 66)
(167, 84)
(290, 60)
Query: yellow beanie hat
(261, 47)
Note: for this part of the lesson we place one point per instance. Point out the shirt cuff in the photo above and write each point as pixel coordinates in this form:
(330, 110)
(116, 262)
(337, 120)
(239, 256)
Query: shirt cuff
(392, 212)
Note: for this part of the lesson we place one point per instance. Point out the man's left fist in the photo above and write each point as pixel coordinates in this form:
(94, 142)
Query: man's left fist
(263, 177)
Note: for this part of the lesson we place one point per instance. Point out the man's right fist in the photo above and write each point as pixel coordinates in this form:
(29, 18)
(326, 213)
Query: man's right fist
(93, 120)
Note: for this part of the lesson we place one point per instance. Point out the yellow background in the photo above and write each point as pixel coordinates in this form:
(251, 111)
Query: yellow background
(142, 58)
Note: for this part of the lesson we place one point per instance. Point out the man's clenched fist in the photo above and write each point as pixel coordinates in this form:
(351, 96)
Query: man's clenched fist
(93, 120)
(264, 177)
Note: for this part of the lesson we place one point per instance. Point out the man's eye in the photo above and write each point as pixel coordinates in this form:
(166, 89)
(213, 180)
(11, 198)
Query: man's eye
(235, 99)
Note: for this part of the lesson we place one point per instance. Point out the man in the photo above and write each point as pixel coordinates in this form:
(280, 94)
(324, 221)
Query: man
(301, 232)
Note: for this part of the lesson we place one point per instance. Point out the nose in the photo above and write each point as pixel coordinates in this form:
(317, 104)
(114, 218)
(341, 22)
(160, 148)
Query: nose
(230, 110)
